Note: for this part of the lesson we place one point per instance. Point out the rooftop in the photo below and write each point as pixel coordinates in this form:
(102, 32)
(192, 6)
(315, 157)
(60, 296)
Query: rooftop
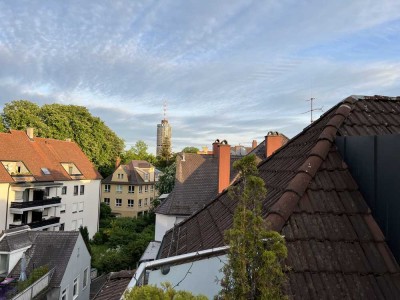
(335, 246)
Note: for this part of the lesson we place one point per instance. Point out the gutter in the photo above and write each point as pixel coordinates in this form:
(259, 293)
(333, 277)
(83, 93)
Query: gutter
(169, 260)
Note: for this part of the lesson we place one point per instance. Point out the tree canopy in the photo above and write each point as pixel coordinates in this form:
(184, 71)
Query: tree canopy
(166, 181)
(166, 292)
(138, 152)
(190, 150)
(255, 256)
(100, 144)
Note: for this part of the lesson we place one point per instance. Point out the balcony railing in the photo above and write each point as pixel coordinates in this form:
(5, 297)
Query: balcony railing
(36, 203)
(38, 224)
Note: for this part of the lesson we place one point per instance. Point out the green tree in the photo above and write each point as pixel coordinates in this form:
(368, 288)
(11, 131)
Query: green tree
(100, 144)
(138, 152)
(190, 150)
(166, 292)
(166, 181)
(85, 235)
(255, 255)
(2, 128)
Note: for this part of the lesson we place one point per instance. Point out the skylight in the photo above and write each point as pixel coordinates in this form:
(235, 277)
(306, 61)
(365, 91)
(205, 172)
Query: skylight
(45, 171)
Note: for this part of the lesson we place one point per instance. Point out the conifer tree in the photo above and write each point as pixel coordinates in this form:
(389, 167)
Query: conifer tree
(255, 255)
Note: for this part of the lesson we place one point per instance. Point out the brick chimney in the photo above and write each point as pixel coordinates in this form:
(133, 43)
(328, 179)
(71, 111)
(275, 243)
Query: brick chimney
(215, 147)
(253, 144)
(273, 141)
(30, 132)
(224, 165)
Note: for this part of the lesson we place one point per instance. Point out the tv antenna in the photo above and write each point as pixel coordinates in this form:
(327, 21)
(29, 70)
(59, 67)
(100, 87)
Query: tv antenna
(312, 109)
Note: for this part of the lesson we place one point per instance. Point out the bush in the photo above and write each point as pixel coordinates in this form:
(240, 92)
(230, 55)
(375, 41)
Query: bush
(33, 276)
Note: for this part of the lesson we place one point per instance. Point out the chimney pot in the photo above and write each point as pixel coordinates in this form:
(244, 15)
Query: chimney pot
(30, 132)
(117, 162)
(68, 140)
(253, 144)
(215, 147)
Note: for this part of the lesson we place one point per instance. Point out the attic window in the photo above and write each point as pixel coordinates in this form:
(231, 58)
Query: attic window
(16, 168)
(71, 169)
(45, 171)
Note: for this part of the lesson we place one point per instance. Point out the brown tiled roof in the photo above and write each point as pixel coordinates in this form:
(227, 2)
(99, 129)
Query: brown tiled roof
(115, 286)
(43, 153)
(196, 183)
(133, 176)
(335, 247)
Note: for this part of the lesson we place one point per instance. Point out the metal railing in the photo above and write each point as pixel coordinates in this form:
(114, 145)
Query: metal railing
(37, 224)
(36, 203)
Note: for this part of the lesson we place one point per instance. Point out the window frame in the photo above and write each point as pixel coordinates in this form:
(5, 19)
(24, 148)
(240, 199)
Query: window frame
(131, 202)
(118, 188)
(75, 282)
(82, 190)
(140, 189)
(131, 189)
(76, 190)
(107, 202)
(107, 188)
(64, 190)
(65, 293)
(118, 204)
(85, 278)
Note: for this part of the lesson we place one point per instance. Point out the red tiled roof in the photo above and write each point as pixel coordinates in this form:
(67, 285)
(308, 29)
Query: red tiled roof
(133, 176)
(335, 247)
(43, 153)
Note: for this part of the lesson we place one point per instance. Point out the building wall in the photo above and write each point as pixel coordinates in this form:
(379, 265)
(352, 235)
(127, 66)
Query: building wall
(78, 262)
(75, 213)
(199, 277)
(124, 210)
(165, 223)
(163, 130)
(3, 204)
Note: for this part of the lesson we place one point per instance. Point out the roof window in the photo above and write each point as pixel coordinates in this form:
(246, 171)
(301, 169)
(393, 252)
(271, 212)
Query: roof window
(45, 171)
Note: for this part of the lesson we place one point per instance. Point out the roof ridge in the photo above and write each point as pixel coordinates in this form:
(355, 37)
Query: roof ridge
(283, 208)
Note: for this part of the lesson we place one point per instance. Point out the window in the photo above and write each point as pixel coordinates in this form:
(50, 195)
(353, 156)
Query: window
(146, 177)
(64, 294)
(45, 212)
(61, 228)
(45, 171)
(120, 176)
(47, 191)
(85, 278)
(80, 206)
(145, 201)
(76, 288)
(140, 202)
(73, 225)
(76, 188)
(70, 170)
(152, 188)
(62, 208)
(107, 188)
(82, 191)
(131, 189)
(131, 202)
(118, 202)
(64, 190)
(146, 188)
(74, 207)
(140, 189)
(79, 223)
(107, 201)
(119, 189)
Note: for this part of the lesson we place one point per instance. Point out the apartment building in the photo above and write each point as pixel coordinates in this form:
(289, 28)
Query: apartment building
(130, 189)
(46, 184)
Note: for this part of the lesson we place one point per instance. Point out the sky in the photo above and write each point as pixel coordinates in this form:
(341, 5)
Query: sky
(231, 70)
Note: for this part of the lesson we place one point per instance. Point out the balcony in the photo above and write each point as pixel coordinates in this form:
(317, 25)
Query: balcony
(19, 207)
(39, 224)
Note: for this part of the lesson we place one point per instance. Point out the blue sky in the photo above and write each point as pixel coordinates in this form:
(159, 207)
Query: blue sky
(228, 69)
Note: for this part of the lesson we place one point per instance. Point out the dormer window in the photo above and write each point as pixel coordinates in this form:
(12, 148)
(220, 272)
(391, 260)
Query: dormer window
(146, 177)
(16, 168)
(45, 171)
(71, 169)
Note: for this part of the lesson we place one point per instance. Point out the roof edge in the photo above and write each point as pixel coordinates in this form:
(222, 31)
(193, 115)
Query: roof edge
(284, 207)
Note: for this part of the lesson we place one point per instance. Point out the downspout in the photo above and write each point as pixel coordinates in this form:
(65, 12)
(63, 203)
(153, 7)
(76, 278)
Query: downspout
(8, 195)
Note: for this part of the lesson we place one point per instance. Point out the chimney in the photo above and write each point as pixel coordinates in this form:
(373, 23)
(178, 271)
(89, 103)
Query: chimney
(253, 144)
(215, 147)
(273, 141)
(30, 133)
(68, 140)
(224, 165)
(117, 162)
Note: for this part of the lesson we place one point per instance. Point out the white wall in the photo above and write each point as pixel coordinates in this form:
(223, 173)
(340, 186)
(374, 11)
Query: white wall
(3, 204)
(78, 262)
(164, 223)
(91, 199)
(202, 276)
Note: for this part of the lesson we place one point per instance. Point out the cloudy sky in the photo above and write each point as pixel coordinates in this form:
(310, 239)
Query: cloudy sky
(228, 69)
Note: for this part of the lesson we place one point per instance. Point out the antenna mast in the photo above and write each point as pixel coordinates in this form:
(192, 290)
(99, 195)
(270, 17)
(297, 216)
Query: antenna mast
(312, 109)
(165, 109)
